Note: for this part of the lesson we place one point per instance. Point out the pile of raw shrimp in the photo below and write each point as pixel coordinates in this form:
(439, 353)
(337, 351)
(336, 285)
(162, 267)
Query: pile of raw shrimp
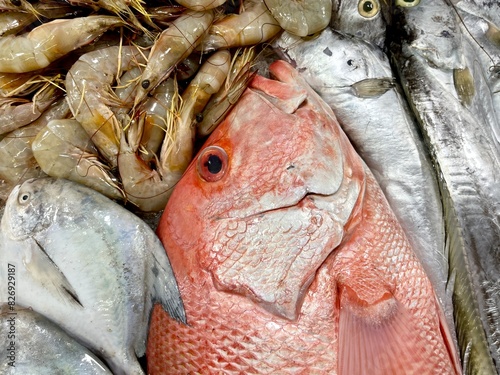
(115, 95)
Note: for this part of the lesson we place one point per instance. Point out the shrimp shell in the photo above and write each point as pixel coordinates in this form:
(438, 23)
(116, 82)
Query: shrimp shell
(153, 114)
(15, 116)
(13, 22)
(63, 149)
(254, 25)
(50, 41)
(300, 17)
(17, 163)
(236, 82)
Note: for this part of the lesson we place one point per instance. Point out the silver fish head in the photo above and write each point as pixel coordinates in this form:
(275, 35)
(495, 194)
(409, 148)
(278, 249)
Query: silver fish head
(25, 211)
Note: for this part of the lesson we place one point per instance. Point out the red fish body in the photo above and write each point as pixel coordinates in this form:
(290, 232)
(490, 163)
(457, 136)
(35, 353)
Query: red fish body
(287, 255)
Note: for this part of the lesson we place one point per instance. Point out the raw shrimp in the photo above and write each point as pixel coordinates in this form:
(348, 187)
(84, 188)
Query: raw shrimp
(200, 5)
(13, 22)
(17, 163)
(150, 189)
(17, 6)
(50, 41)
(13, 116)
(164, 15)
(301, 17)
(173, 45)
(254, 25)
(152, 119)
(236, 82)
(63, 149)
(88, 87)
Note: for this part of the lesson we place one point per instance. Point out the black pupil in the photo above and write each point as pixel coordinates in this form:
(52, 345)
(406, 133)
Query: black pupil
(368, 6)
(25, 197)
(145, 84)
(213, 164)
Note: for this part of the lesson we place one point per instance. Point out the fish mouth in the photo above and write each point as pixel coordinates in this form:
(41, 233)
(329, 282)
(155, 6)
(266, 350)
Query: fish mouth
(307, 199)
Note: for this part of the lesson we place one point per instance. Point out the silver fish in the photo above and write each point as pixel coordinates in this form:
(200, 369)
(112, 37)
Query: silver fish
(365, 19)
(428, 48)
(34, 345)
(483, 59)
(486, 9)
(355, 79)
(88, 265)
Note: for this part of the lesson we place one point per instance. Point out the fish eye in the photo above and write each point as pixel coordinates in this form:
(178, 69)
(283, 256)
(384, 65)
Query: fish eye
(368, 8)
(407, 3)
(145, 84)
(24, 197)
(212, 163)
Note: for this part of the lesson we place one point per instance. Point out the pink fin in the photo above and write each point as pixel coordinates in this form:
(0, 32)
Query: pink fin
(448, 340)
(285, 96)
(379, 337)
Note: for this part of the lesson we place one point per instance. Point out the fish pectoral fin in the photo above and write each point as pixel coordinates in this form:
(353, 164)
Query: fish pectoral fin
(448, 338)
(377, 335)
(43, 270)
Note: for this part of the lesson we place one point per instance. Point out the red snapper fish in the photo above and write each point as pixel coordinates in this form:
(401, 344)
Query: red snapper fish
(287, 255)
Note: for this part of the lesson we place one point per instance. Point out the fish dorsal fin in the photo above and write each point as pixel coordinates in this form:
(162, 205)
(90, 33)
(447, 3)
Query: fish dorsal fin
(379, 335)
(43, 270)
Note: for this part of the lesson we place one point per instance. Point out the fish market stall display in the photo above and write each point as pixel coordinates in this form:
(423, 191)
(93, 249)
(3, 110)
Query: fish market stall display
(322, 176)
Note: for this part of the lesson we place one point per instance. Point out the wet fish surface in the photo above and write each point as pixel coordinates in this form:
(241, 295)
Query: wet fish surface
(287, 254)
(428, 49)
(34, 345)
(89, 265)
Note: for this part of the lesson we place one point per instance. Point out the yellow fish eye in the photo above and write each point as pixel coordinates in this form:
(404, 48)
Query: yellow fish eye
(368, 8)
(407, 3)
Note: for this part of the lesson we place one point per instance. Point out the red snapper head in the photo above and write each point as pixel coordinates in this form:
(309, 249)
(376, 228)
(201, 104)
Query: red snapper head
(267, 198)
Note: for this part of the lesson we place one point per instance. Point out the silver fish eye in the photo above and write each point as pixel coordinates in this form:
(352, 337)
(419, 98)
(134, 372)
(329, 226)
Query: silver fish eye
(24, 197)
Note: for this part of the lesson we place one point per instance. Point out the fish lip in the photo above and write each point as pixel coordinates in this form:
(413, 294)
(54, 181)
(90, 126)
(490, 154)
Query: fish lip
(294, 204)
